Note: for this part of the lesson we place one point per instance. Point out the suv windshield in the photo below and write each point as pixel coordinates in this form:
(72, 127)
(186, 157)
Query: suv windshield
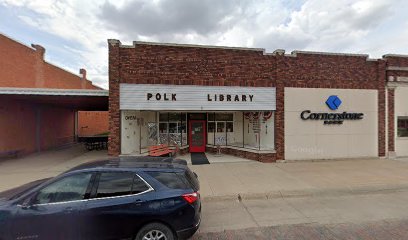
(14, 193)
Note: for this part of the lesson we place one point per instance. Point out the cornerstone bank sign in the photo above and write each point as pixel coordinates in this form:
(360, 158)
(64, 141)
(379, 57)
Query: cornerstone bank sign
(196, 98)
(333, 102)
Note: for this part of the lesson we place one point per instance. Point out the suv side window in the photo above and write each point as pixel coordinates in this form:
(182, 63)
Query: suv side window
(169, 179)
(139, 185)
(114, 184)
(69, 188)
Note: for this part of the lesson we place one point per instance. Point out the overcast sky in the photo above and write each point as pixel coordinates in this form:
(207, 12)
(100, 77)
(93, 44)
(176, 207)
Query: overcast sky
(75, 32)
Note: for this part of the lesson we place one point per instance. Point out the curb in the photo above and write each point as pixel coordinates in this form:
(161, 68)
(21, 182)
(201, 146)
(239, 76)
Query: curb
(309, 193)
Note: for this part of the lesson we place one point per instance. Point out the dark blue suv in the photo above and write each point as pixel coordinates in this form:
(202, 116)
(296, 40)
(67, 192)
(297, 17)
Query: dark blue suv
(121, 198)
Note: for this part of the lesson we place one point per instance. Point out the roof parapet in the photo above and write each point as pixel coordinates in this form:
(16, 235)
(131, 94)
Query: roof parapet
(395, 55)
(114, 42)
(330, 54)
(280, 52)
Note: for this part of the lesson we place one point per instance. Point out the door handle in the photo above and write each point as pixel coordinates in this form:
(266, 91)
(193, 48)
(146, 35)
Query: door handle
(68, 210)
(139, 201)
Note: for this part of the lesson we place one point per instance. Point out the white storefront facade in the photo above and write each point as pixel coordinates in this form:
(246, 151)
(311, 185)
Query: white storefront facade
(194, 118)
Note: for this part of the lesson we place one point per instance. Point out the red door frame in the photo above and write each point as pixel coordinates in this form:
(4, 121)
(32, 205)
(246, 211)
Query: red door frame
(196, 148)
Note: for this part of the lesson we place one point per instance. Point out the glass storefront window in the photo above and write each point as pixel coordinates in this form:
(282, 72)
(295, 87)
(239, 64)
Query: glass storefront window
(174, 117)
(163, 127)
(220, 127)
(211, 127)
(163, 117)
(224, 117)
(238, 129)
(230, 126)
(402, 130)
(151, 133)
(173, 128)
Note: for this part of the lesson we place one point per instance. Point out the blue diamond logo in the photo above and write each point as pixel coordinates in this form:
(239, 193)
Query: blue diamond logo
(333, 102)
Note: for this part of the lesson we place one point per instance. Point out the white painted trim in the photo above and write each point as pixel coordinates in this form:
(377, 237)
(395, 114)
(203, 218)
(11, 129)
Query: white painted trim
(196, 98)
(397, 84)
(395, 68)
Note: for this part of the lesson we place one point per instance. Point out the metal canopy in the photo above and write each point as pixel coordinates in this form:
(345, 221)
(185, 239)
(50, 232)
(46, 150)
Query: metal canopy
(85, 100)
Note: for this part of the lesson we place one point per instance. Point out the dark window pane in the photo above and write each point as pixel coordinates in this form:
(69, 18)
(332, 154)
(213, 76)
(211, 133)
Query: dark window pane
(211, 117)
(224, 117)
(163, 127)
(183, 117)
(230, 127)
(183, 127)
(139, 185)
(197, 116)
(163, 117)
(170, 180)
(211, 127)
(220, 127)
(402, 130)
(112, 184)
(173, 128)
(70, 188)
(174, 117)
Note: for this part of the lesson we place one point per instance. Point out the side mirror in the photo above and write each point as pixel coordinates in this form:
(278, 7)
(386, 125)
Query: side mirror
(27, 203)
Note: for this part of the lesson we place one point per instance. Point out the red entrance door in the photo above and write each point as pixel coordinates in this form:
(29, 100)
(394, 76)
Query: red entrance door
(197, 136)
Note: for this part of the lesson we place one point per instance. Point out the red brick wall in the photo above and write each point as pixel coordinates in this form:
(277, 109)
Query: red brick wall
(92, 123)
(18, 126)
(24, 67)
(159, 64)
(400, 61)
(57, 127)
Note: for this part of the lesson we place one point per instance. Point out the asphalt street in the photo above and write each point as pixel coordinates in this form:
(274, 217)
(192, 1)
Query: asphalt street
(360, 216)
(387, 230)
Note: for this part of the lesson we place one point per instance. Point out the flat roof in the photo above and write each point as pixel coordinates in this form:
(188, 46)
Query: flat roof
(78, 99)
(53, 91)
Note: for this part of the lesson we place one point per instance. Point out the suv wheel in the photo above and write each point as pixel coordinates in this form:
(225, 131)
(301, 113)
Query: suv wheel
(155, 231)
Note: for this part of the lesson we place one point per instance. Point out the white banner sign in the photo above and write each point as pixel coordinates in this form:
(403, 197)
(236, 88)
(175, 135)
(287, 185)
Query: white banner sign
(196, 98)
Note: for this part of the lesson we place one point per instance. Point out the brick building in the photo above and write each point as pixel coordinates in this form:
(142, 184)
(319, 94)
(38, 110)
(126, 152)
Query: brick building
(257, 105)
(39, 102)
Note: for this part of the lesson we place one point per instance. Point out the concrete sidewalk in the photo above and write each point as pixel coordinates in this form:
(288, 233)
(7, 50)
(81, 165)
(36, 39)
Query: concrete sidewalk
(15, 172)
(258, 180)
(247, 179)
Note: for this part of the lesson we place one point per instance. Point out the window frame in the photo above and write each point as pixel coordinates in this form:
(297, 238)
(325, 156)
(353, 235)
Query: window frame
(403, 118)
(96, 185)
(91, 183)
(179, 128)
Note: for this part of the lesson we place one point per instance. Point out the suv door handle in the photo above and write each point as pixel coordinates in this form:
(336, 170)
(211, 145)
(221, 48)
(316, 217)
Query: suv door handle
(68, 210)
(138, 201)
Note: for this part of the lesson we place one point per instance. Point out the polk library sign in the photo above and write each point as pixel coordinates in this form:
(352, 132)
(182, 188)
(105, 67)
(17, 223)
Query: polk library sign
(196, 98)
(333, 102)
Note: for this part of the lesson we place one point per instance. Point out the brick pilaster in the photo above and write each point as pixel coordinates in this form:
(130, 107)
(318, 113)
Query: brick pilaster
(391, 120)
(381, 107)
(114, 108)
